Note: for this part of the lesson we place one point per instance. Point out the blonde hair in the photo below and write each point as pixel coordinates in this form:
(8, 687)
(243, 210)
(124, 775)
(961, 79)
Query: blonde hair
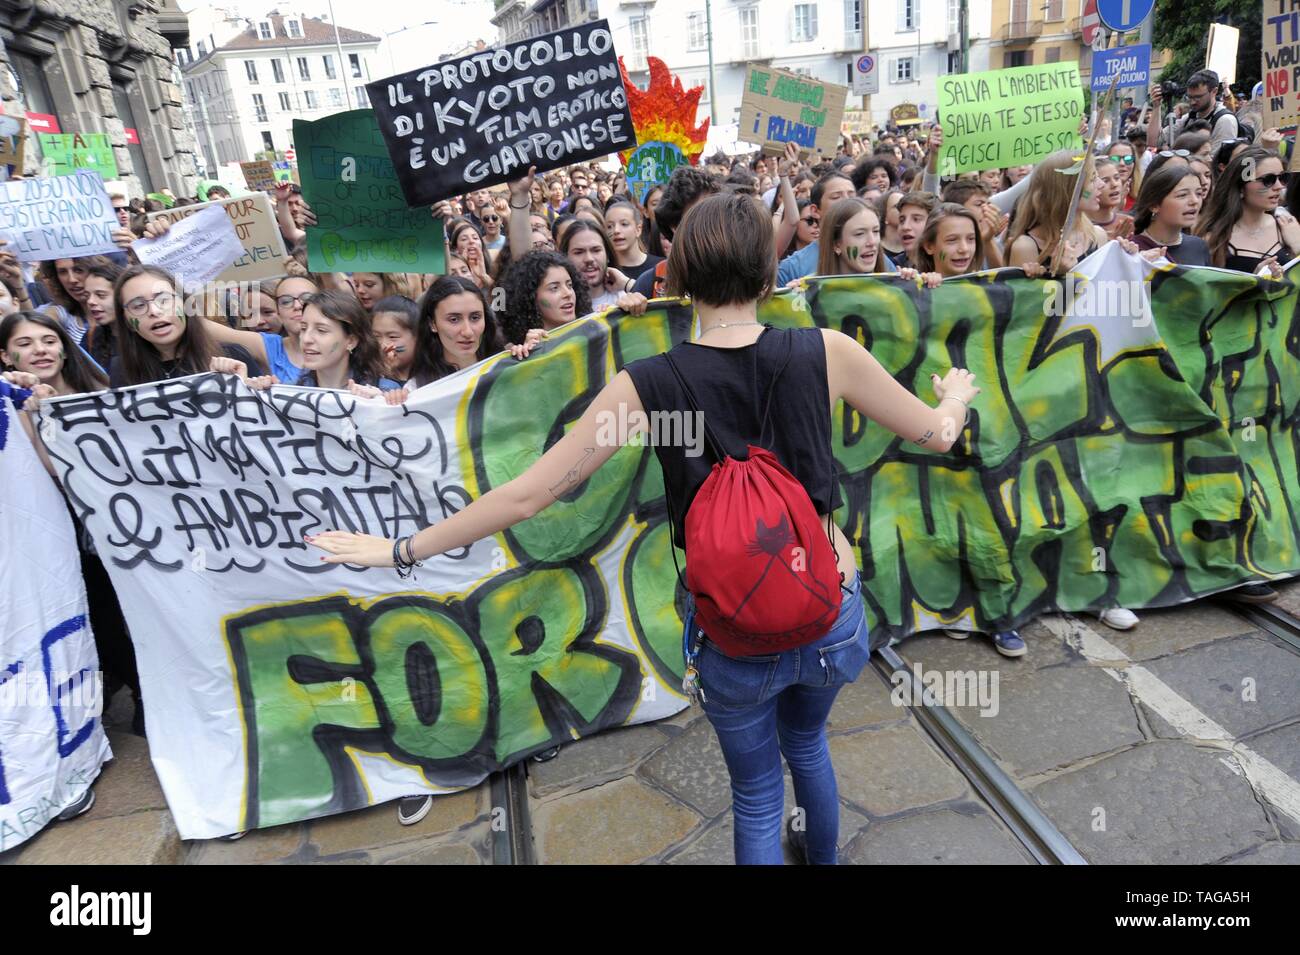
(1046, 203)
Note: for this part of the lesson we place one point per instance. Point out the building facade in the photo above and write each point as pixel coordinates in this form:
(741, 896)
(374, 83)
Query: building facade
(248, 80)
(101, 67)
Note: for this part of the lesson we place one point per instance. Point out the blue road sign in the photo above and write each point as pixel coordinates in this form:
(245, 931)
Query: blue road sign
(1122, 15)
(1132, 63)
(866, 63)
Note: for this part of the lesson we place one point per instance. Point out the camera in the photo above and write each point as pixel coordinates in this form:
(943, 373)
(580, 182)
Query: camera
(1171, 92)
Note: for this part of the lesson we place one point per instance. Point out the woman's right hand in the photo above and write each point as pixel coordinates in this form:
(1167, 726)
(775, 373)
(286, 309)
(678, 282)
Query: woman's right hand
(522, 188)
(958, 383)
(156, 228)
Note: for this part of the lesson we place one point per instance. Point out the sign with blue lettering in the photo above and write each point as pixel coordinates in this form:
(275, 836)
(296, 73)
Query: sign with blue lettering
(1132, 63)
(1123, 15)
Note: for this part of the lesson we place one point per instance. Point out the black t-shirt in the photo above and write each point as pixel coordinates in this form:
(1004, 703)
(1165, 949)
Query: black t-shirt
(1192, 250)
(732, 387)
(636, 271)
(171, 369)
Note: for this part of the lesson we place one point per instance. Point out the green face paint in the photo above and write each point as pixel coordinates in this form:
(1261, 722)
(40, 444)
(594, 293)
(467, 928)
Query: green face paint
(133, 322)
(853, 252)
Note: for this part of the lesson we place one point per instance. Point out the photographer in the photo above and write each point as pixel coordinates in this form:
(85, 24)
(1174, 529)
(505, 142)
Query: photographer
(1203, 97)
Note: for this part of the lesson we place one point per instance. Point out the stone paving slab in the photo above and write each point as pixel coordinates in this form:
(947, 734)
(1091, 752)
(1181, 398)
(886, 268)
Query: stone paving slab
(1164, 803)
(935, 649)
(865, 702)
(140, 838)
(277, 844)
(692, 769)
(1271, 853)
(889, 770)
(715, 844)
(1053, 718)
(941, 837)
(1281, 747)
(1160, 633)
(622, 822)
(127, 783)
(1289, 597)
(1211, 678)
(595, 760)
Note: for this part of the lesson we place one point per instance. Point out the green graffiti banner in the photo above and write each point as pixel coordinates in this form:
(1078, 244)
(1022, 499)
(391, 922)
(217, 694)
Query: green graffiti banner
(1134, 445)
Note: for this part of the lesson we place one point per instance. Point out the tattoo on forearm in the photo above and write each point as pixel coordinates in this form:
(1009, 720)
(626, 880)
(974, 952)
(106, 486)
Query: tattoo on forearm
(572, 478)
(925, 437)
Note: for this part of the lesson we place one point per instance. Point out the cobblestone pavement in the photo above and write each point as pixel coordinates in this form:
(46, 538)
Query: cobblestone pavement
(1178, 741)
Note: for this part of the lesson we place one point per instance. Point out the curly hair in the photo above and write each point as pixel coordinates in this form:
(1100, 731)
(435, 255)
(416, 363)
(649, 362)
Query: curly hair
(521, 283)
(861, 172)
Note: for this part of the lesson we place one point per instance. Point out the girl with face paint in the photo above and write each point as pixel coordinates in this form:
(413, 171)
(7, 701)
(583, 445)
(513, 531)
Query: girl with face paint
(157, 340)
(37, 344)
(543, 291)
(338, 345)
(395, 323)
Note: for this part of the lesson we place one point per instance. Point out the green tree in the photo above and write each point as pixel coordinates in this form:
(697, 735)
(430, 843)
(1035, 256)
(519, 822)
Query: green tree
(1182, 27)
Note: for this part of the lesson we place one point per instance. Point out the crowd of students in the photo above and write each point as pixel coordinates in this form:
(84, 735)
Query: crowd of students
(530, 257)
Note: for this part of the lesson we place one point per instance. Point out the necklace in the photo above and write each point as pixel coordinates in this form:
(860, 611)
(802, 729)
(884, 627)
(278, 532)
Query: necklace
(726, 325)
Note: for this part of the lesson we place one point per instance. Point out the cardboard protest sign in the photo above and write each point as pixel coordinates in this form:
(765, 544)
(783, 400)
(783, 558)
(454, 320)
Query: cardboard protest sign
(663, 116)
(781, 107)
(13, 146)
(1280, 51)
(67, 152)
(259, 176)
(262, 253)
(363, 223)
(485, 118)
(58, 217)
(52, 741)
(1011, 117)
(197, 249)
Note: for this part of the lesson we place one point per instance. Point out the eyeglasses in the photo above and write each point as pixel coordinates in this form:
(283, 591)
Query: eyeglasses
(1273, 178)
(287, 301)
(1171, 153)
(140, 306)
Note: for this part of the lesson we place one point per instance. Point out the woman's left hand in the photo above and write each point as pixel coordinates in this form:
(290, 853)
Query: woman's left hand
(343, 547)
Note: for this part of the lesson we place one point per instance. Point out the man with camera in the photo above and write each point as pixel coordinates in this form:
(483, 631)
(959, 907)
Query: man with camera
(1203, 98)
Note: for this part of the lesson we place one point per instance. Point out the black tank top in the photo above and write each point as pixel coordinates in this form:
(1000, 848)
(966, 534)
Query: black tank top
(732, 386)
(1249, 260)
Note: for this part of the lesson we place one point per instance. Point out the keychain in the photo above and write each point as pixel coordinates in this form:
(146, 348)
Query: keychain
(691, 681)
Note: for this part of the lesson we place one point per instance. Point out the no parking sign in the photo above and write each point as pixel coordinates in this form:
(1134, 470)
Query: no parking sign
(866, 75)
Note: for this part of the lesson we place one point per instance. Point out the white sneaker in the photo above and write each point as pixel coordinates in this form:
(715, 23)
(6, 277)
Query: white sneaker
(1117, 618)
(959, 634)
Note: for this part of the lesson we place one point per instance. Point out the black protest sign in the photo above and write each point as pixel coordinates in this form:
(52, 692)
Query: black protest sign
(483, 119)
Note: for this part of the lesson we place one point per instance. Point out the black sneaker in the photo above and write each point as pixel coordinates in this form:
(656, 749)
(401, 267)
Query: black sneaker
(81, 806)
(798, 840)
(1254, 594)
(411, 809)
(546, 755)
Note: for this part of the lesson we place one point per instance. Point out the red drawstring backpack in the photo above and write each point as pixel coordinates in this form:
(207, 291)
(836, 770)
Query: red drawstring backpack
(759, 564)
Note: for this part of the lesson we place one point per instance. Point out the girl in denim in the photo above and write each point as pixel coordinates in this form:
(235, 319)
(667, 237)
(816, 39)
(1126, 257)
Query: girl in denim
(766, 707)
(723, 256)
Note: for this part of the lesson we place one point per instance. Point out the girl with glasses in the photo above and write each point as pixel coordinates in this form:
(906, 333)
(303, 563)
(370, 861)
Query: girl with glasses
(1126, 160)
(1240, 222)
(493, 238)
(158, 341)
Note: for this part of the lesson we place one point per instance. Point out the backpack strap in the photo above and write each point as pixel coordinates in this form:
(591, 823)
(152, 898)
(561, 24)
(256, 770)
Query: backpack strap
(690, 400)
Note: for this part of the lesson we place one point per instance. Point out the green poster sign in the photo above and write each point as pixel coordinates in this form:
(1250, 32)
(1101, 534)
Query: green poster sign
(363, 221)
(67, 152)
(1011, 117)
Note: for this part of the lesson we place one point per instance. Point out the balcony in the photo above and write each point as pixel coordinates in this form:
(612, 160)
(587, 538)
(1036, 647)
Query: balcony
(1015, 34)
(1074, 26)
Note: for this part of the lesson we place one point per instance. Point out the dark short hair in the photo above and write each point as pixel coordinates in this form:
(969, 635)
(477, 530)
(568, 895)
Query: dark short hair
(724, 253)
(1204, 78)
(961, 190)
(398, 305)
(869, 164)
(922, 200)
(686, 186)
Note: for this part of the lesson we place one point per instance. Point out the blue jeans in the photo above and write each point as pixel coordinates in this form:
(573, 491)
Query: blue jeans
(764, 707)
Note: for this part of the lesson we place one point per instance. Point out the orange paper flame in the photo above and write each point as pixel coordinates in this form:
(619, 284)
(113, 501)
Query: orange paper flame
(665, 112)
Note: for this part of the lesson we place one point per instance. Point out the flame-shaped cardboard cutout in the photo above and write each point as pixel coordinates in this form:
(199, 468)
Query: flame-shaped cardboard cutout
(663, 117)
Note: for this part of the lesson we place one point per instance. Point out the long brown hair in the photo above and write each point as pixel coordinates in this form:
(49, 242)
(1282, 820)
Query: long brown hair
(1224, 206)
(1156, 187)
(49, 275)
(365, 364)
(828, 262)
(141, 362)
(430, 361)
(79, 373)
(946, 210)
(1046, 203)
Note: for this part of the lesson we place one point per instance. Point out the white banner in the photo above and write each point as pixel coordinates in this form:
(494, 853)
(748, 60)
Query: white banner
(52, 743)
(280, 688)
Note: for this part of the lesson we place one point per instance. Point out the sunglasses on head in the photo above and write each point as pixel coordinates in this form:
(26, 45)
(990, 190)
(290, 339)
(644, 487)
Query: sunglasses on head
(1171, 153)
(1273, 178)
